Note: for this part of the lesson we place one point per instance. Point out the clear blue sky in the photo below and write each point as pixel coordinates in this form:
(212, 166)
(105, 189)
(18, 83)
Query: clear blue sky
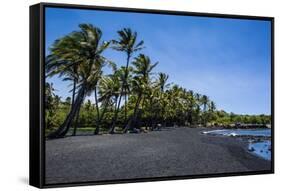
(226, 59)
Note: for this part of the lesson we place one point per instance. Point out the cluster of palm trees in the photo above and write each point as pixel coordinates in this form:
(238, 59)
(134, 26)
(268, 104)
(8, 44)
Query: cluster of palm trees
(142, 97)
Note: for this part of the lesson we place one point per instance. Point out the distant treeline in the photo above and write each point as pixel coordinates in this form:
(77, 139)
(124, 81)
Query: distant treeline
(131, 98)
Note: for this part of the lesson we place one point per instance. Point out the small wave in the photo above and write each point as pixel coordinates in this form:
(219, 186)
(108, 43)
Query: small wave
(240, 132)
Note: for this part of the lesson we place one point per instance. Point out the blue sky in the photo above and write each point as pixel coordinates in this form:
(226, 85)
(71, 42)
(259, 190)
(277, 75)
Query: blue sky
(226, 59)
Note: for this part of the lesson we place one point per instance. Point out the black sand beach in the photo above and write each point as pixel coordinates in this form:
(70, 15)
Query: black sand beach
(169, 152)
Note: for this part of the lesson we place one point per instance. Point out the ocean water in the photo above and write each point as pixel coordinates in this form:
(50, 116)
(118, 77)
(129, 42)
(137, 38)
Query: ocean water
(261, 149)
(241, 132)
(259, 139)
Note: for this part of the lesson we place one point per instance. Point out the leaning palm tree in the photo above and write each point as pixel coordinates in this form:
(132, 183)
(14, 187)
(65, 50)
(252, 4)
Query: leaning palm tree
(127, 43)
(142, 70)
(64, 61)
(88, 49)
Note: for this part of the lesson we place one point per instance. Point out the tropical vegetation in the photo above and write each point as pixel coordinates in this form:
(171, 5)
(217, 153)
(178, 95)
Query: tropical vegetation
(131, 98)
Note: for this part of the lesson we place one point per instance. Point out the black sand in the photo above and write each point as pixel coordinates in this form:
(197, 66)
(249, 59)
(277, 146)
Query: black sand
(170, 152)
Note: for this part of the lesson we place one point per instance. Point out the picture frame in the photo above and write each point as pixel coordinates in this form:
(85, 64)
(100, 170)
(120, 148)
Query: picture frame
(37, 141)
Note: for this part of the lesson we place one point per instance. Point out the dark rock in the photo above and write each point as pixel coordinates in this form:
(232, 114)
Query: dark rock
(251, 149)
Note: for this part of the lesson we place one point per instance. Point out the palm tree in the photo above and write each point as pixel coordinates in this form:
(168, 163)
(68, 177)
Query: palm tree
(152, 98)
(212, 106)
(197, 110)
(64, 61)
(67, 70)
(162, 83)
(175, 105)
(205, 102)
(87, 48)
(211, 112)
(126, 75)
(127, 43)
(191, 106)
(109, 87)
(142, 70)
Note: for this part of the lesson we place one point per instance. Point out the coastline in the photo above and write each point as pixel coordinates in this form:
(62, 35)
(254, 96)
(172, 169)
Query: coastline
(169, 152)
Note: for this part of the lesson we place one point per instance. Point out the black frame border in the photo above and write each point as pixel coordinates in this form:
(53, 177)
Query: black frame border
(37, 81)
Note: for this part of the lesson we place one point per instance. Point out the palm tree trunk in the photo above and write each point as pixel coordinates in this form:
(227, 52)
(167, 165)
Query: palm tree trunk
(164, 117)
(73, 92)
(72, 104)
(125, 106)
(151, 113)
(115, 115)
(126, 79)
(120, 98)
(204, 113)
(133, 119)
(76, 122)
(104, 110)
(190, 118)
(98, 113)
(154, 121)
(63, 129)
(101, 117)
(74, 86)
